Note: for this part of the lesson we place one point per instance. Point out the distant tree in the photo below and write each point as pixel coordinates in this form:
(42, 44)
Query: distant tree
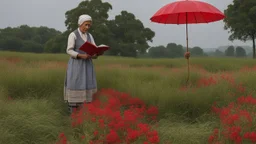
(24, 32)
(174, 50)
(58, 44)
(157, 52)
(240, 52)
(12, 44)
(43, 34)
(197, 51)
(230, 51)
(219, 53)
(26, 39)
(31, 46)
(240, 20)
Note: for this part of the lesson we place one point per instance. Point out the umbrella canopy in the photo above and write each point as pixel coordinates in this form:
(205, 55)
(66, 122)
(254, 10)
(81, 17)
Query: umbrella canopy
(187, 12)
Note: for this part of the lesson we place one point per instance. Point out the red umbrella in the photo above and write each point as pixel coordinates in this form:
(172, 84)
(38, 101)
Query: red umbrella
(187, 12)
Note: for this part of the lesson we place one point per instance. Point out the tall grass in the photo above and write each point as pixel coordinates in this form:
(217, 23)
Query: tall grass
(31, 98)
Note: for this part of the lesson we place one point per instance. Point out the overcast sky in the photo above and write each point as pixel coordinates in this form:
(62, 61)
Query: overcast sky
(51, 13)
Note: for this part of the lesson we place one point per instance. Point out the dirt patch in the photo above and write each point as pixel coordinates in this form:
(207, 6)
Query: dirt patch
(13, 60)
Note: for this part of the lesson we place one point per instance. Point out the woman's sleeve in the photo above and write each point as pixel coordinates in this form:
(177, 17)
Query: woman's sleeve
(71, 45)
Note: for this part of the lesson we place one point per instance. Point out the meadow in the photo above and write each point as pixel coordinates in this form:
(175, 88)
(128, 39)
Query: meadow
(217, 106)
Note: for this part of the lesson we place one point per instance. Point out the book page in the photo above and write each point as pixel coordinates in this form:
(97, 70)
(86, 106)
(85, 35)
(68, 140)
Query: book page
(102, 45)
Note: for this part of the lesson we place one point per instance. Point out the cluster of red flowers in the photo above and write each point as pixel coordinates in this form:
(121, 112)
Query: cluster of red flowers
(248, 69)
(62, 139)
(237, 122)
(215, 79)
(118, 118)
(207, 81)
(212, 80)
(237, 119)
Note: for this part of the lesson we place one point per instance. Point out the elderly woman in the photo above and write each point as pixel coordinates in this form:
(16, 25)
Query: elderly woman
(80, 83)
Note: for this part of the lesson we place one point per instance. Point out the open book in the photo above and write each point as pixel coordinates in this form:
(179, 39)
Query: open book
(92, 49)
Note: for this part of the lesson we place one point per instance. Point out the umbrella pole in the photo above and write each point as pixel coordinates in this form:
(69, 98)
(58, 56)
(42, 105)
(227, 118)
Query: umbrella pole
(187, 44)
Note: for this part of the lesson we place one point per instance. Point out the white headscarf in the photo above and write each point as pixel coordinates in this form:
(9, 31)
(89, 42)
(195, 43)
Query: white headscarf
(83, 18)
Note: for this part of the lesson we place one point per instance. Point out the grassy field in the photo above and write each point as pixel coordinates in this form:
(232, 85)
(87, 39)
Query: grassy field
(32, 109)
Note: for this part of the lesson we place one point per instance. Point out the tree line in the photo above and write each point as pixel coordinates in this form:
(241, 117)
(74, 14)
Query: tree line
(26, 39)
(173, 50)
(230, 51)
(126, 34)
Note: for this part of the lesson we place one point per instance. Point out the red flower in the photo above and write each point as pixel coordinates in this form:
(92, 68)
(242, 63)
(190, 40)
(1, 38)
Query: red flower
(154, 139)
(123, 115)
(132, 135)
(112, 137)
(95, 133)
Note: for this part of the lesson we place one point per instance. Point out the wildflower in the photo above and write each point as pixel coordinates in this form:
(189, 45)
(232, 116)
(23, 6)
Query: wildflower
(112, 137)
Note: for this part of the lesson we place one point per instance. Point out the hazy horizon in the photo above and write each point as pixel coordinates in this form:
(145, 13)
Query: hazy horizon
(52, 14)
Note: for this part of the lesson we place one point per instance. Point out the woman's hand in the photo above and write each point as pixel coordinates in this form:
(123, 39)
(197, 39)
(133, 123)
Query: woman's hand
(187, 55)
(83, 56)
(101, 53)
(94, 56)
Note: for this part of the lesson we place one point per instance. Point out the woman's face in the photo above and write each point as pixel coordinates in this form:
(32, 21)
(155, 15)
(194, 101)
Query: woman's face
(85, 26)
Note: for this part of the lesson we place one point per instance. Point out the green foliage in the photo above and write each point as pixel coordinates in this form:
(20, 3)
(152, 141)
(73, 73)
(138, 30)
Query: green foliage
(219, 53)
(240, 20)
(11, 43)
(31, 46)
(57, 44)
(175, 50)
(129, 34)
(240, 52)
(157, 52)
(197, 51)
(230, 51)
(25, 38)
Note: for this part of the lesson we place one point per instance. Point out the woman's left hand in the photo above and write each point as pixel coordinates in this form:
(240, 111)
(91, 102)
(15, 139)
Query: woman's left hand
(101, 53)
(95, 56)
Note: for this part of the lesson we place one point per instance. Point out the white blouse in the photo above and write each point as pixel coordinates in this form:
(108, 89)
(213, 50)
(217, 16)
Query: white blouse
(71, 43)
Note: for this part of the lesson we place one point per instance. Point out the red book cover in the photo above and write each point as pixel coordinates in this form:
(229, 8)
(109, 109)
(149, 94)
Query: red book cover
(92, 49)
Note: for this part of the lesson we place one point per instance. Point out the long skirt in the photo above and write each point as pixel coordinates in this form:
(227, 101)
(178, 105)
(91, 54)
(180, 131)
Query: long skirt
(80, 82)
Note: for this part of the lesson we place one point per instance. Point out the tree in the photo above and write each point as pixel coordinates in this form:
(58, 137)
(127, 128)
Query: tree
(197, 51)
(230, 51)
(240, 52)
(26, 39)
(174, 50)
(98, 10)
(157, 52)
(240, 20)
(12, 44)
(31, 46)
(219, 53)
(43, 34)
(128, 35)
(58, 44)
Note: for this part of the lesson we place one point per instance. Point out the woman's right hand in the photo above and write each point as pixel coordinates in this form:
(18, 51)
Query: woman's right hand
(83, 56)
